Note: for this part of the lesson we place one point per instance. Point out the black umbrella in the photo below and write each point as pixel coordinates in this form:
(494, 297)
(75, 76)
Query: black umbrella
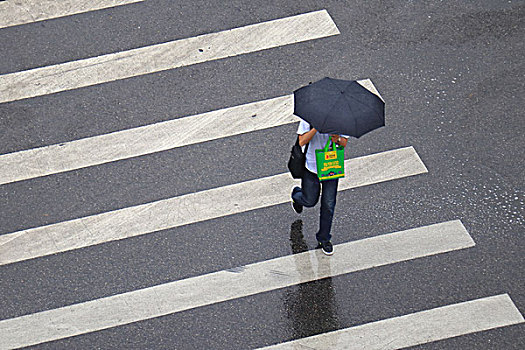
(334, 106)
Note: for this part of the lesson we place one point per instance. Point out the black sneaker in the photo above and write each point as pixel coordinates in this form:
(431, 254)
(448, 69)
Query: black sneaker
(326, 247)
(298, 208)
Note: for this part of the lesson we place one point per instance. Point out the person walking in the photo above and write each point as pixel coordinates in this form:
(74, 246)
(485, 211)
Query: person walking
(308, 194)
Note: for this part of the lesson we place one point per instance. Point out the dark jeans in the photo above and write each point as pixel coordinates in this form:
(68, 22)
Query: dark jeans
(308, 195)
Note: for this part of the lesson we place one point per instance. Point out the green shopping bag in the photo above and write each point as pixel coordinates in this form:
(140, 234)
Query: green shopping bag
(330, 161)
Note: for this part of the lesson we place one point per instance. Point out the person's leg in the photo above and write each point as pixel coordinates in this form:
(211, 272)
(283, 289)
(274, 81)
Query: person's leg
(308, 194)
(328, 198)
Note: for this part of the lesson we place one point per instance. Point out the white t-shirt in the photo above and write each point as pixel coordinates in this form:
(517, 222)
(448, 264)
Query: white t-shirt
(318, 141)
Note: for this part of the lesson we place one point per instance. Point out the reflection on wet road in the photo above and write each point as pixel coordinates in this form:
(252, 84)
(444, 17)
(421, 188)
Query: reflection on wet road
(310, 306)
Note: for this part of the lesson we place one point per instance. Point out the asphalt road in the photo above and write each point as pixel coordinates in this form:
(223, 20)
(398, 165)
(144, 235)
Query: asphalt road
(452, 76)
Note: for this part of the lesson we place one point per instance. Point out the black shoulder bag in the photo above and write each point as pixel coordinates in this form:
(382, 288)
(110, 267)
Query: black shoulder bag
(297, 160)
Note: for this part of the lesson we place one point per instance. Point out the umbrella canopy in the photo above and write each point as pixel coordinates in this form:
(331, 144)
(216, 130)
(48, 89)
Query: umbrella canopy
(334, 106)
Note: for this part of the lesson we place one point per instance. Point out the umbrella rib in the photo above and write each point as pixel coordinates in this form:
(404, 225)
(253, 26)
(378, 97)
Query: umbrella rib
(332, 82)
(330, 110)
(355, 120)
(365, 105)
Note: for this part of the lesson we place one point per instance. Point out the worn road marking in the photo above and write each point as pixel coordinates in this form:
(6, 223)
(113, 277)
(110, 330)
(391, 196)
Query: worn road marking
(173, 54)
(15, 12)
(418, 328)
(194, 207)
(231, 284)
(147, 139)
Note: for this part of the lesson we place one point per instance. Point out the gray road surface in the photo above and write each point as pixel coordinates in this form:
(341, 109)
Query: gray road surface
(452, 76)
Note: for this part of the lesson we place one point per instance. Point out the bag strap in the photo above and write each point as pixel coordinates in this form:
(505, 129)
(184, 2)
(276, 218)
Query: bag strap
(327, 146)
(306, 148)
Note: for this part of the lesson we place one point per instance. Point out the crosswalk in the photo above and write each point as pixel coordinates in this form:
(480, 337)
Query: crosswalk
(418, 328)
(192, 208)
(225, 285)
(179, 53)
(380, 249)
(14, 13)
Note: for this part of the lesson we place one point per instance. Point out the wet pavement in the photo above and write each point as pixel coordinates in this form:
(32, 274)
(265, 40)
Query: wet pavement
(452, 78)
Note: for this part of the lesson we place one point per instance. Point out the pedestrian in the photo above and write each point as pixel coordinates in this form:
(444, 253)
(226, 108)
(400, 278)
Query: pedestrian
(308, 194)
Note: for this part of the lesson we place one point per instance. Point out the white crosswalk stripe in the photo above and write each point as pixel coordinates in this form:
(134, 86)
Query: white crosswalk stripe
(418, 328)
(170, 55)
(211, 287)
(14, 13)
(148, 139)
(192, 208)
(231, 284)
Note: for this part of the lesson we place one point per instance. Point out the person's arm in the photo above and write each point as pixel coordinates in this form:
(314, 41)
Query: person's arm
(339, 140)
(306, 137)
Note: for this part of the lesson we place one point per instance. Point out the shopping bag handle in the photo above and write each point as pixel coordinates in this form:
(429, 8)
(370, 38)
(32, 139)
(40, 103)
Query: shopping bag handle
(327, 146)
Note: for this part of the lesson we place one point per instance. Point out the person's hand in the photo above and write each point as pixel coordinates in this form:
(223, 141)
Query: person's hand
(341, 141)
